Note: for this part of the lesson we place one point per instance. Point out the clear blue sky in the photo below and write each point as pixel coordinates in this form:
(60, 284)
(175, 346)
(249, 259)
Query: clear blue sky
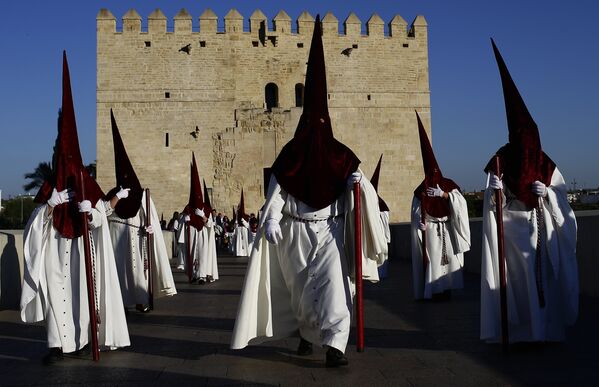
(550, 47)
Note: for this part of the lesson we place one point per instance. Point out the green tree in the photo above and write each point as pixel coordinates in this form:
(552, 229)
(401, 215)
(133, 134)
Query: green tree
(42, 172)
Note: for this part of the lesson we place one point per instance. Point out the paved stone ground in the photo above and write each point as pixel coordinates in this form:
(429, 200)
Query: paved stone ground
(185, 341)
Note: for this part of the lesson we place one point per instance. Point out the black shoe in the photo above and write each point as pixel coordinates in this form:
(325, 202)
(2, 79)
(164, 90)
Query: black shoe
(142, 308)
(304, 348)
(201, 281)
(84, 351)
(53, 356)
(335, 358)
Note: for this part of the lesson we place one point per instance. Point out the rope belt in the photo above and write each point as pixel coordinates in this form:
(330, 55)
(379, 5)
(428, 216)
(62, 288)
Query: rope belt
(538, 256)
(303, 220)
(441, 234)
(123, 222)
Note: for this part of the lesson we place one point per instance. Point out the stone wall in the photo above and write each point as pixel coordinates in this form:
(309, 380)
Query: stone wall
(203, 88)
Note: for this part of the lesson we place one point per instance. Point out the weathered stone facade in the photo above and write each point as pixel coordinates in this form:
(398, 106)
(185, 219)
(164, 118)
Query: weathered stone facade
(182, 90)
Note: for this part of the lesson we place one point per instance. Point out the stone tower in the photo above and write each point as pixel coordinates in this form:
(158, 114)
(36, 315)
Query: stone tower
(234, 96)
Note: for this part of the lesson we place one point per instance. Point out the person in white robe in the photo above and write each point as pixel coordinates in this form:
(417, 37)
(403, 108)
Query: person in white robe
(384, 211)
(539, 235)
(241, 246)
(128, 213)
(55, 288)
(446, 228)
(300, 273)
(203, 248)
(130, 242)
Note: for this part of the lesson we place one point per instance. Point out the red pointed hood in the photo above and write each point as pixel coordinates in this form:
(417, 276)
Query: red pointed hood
(375, 183)
(522, 159)
(70, 173)
(125, 177)
(434, 206)
(241, 210)
(196, 199)
(313, 167)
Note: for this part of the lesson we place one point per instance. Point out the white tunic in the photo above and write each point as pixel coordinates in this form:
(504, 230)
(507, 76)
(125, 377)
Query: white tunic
(454, 231)
(303, 283)
(129, 241)
(203, 249)
(241, 245)
(55, 287)
(527, 320)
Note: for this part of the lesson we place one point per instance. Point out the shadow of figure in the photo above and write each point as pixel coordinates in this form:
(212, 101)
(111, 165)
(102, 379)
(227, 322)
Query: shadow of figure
(10, 275)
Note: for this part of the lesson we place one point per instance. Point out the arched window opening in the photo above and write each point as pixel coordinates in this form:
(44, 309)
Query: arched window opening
(299, 95)
(271, 95)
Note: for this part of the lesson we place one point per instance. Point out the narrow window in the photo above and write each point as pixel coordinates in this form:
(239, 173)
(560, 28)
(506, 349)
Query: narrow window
(254, 43)
(202, 43)
(406, 45)
(299, 95)
(167, 94)
(354, 46)
(148, 43)
(368, 97)
(271, 95)
(300, 45)
(166, 140)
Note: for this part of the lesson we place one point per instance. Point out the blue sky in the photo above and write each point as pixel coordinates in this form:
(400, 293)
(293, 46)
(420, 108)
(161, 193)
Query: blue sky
(550, 48)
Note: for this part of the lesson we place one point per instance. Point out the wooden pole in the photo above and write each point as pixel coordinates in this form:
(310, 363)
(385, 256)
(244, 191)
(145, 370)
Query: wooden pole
(424, 252)
(89, 277)
(188, 260)
(502, 264)
(150, 241)
(358, 262)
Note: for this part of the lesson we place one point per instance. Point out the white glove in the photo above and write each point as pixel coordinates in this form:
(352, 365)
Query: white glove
(199, 212)
(422, 226)
(85, 206)
(495, 182)
(150, 229)
(539, 189)
(186, 218)
(354, 178)
(430, 191)
(123, 193)
(273, 231)
(60, 197)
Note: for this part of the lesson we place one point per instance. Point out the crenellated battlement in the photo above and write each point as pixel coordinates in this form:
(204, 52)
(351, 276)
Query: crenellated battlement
(234, 23)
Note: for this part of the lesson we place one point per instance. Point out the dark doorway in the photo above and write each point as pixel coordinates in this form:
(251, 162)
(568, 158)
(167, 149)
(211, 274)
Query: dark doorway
(271, 94)
(299, 95)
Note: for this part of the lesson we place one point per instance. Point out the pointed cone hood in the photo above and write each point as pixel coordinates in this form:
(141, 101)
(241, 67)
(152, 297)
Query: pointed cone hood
(125, 177)
(196, 197)
(433, 206)
(375, 183)
(313, 167)
(241, 210)
(234, 217)
(70, 172)
(522, 160)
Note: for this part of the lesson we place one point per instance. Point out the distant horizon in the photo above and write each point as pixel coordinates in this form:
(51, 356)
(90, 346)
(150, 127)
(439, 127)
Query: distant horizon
(553, 63)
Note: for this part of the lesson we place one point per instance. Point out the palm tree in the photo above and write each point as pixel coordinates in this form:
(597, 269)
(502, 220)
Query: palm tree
(42, 172)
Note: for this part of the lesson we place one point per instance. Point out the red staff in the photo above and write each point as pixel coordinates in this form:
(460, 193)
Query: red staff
(188, 248)
(424, 252)
(358, 258)
(89, 276)
(502, 265)
(150, 252)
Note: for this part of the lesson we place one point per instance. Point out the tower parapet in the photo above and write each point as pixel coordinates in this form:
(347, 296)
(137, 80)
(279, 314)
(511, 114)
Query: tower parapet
(234, 24)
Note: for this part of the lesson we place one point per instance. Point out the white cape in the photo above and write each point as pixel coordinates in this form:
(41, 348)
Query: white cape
(130, 245)
(527, 320)
(456, 231)
(47, 259)
(264, 311)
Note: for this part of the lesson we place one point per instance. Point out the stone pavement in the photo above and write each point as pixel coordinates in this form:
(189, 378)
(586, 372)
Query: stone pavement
(185, 341)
